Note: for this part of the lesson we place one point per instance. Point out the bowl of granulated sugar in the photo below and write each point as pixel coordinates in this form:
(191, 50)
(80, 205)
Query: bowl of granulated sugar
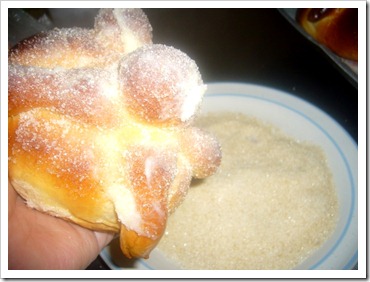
(284, 197)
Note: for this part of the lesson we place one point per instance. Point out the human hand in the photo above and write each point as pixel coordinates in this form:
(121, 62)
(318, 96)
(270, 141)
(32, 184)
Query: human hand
(41, 241)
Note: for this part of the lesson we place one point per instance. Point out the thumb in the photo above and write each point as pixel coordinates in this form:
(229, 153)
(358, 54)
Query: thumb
(103, 238)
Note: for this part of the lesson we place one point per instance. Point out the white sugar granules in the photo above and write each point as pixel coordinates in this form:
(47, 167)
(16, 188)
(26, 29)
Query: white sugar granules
(271, 203)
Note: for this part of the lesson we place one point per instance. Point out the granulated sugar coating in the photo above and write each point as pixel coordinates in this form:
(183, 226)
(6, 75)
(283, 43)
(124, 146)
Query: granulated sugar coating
(271, 203)
(161, 84)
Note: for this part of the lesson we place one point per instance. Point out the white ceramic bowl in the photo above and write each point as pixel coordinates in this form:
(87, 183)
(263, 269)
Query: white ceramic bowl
(303, 121)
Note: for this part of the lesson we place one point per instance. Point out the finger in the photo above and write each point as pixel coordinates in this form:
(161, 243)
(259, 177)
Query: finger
(103, 239)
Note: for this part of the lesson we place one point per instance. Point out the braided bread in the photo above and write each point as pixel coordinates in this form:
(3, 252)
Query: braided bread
(100, 127)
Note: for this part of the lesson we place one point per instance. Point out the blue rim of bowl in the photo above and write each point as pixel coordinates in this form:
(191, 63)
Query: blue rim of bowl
(352, 261)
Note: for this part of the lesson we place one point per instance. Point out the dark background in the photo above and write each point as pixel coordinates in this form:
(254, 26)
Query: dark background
(257, 46)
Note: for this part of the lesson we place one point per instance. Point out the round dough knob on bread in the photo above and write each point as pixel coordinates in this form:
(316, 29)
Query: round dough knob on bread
(161, 84)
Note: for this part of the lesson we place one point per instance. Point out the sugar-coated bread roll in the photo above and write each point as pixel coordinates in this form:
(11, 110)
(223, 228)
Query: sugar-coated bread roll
(100, 127)
(337, 29)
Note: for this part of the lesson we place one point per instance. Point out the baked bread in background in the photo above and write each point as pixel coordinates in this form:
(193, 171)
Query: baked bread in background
(335, 28)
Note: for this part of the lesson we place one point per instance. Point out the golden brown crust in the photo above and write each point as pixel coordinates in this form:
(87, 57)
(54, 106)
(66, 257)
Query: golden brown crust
(134, 246)
(96, 145)
(206, 156)
(335, 28)
(67, 48)
(82, 94)
(53, 169)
